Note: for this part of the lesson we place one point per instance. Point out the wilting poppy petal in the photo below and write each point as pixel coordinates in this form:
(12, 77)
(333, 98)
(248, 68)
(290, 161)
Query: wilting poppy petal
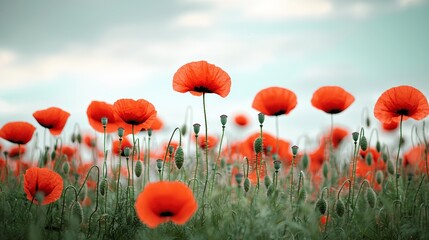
(139, 113)
(405, 101)
(201, 77)
(52, 118)
(96, 111)
(45, 181)
(274, 101)
(17, 132)
(164, 201)
(332, 99)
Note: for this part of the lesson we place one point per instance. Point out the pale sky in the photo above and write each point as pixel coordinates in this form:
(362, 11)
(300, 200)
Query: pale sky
(68, 53)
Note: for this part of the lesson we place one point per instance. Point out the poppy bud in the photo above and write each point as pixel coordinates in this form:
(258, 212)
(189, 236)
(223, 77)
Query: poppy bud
(79, 138)
(368, 159)
(238, 178)
(379, 177)
(77, 212)
(149, 132)
(53, 155)
(139, 168)
(277, 165)
(267, 181)
(121, 132)
(127, 151)
(305, 161)
(321, 205)
(179, 157)
(368, 122)
(340, 208)
(302, 195)
(104, 121)
(371, 197)
(325, 170)
(363, 143)
(355, 136)
(378, 146)
(159, 164)
(390, 168)
(270, 190)
(197, 128)
(66, 168)
(384, 157)
(183, 129)
(257, 145)
(246, 184)
(261, 118)
(223, 119)
(103, 185)
(294, 150)
(73, 138)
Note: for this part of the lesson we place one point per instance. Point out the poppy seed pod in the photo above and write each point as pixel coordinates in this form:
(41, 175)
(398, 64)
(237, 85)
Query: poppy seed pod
(127, 151)
(121, 132)
(363, 143)
(53, 155)
(257, 145)
(73, 138)
(139, 168)
(159, 164)
(355, 136)
(261, 118)
(183, 129)
(390, 168)
(79, 138)
(277, 165)
(179, 157)
(267, 181)
(340, 208)
(197, 128)
(239, 178)
(104, 121)
(321, 205)
(378, 146)
(294, 150)
(369, 159)
(223, 119)
(149, 132)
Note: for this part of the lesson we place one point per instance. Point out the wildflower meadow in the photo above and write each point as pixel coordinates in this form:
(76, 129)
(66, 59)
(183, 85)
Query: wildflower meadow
(114, 183)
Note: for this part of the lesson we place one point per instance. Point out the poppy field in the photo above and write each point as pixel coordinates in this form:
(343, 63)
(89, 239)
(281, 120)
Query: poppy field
(115, 183)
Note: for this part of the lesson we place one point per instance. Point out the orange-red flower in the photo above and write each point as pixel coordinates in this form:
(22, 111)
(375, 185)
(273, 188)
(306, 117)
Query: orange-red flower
(96, 111)
(241, 120)
(52, 118)
(44, 181)
(68, 151)
(405, 101)
(201, 77)
(160, 202)
(139, 113)
(211, 141)
(274, 101)
(338, 134)
(124, 144)
(17, 132)
(332, 99)
(15, 151)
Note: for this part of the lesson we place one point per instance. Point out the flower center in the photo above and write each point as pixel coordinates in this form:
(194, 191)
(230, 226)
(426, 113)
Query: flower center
(166, 214)
(334, 111)
(202, 89)
(402, 112)
(279, 113)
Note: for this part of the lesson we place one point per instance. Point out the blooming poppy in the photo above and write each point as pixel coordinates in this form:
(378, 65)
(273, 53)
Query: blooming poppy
(414, 159)
(52, 118)
(98, 110)
(211, 141)
(274, 101)
(241, 120)
(90, 141)
(402, 101)
(332, 99)
(201, 77)
(15, 151)
(68, 151)
(45, 181)
(160, 202)
(338, 135)
(124, 144)
(138, 113)
(17, 132)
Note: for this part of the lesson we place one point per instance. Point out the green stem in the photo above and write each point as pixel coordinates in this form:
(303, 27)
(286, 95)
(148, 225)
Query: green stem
(166, 150)
(206, 146)
(355, 153)
(218, 157)
(196, 165)
(397, 159)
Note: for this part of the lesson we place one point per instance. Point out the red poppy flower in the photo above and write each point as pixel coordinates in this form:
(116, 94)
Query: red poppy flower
(274, 101)
(90, 141)
(52, 118)
(211, 141)
(96, 111)
(16, 150)
(160, 202)
(241, 120)
(201, 77)
(332, 99)
(405, 101)
(17, 132)
(390, 126)
(139, 113)
(338, 134)
(415, 158)
(44, 181)
(68, 151)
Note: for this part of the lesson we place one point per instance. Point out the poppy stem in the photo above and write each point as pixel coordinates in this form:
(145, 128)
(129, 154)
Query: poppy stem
(206, 147)
(196, 165)
(64, 202)
(218, 156)
(166, 151)
(148, 162)
(355, 153)
(277, 136)
(132, 162)
(426, 149)
(96, 200)
(397, 158)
